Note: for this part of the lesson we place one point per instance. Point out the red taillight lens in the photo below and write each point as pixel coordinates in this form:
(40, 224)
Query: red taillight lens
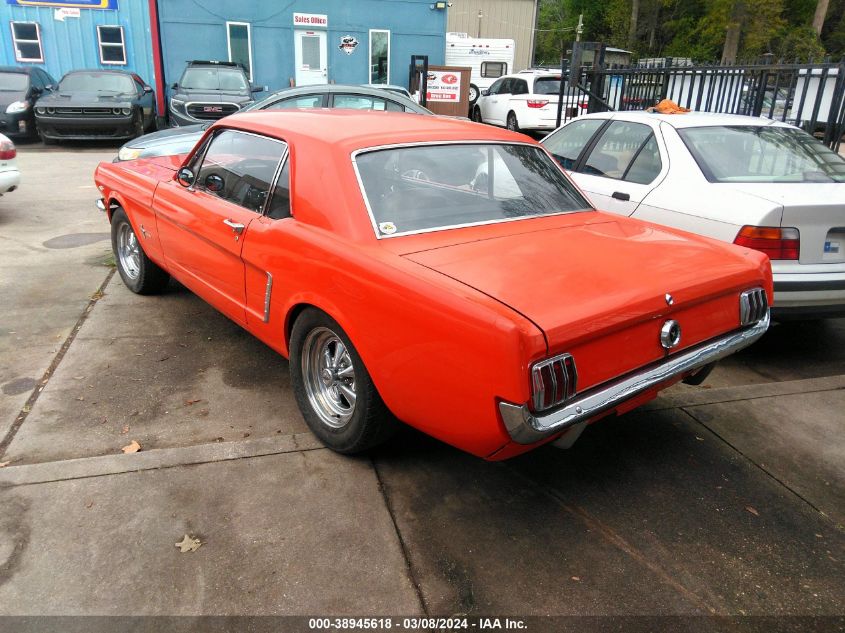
(553, 381)
(776, 242)
(537, 103)
(7, 150)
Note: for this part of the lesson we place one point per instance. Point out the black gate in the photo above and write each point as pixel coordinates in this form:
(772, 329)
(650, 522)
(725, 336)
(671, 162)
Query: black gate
(807, 95)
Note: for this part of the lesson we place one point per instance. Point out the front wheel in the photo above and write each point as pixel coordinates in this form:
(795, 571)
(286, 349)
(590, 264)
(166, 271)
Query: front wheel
(333, 389)
(513, 124)
(476, 114)
(140, 274)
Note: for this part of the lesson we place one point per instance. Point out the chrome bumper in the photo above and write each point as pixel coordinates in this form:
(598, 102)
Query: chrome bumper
(525, 427)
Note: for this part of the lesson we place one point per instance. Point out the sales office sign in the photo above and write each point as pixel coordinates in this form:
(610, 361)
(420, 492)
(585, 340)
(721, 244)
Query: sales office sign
(310, 20)
(443, 86)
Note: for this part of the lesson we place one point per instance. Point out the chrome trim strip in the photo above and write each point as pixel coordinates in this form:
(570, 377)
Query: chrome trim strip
(525, 427)
(268, 290)
(377, 148)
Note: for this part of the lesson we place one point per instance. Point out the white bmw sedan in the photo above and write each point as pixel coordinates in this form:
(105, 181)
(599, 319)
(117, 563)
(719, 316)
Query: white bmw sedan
(755, 182)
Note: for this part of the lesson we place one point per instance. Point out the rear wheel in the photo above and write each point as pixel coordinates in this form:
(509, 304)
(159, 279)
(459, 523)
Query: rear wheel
(140, 274)
(333, 389)
(473, 94)
(513, 124)
(476, 114)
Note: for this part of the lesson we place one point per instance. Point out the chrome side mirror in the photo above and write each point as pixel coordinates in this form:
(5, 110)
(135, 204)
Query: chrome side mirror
(214, 183)
(185, 177)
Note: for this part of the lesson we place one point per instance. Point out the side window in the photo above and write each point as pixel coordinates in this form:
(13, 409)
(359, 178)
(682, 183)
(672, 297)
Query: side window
(507, 87)
(616, 149)
(646, 164)
(239, 167)
(280, 202)
(392, 106)
(493, 69)
(359, 102)
(494, 89)
(304, 101)
(520, 87)
(567, 143)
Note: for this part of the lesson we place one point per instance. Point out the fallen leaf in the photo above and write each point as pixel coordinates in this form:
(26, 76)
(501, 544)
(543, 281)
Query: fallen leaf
(700, 439)
(133, 447)
(189, 544)
(125, 429)
(190, 402)
(752, 511)
(246, 434)
(163, 358)
(89, 505)
(4, 464)
(81, 398)
(576, 578)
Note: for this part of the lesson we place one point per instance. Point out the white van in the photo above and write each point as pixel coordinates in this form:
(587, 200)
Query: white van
(489, 59)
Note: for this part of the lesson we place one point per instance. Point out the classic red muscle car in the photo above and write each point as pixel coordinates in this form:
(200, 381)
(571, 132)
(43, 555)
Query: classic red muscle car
(439, 272)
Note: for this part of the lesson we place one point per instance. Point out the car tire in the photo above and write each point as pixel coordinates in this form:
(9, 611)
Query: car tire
(476, 114)
(138, 126)
(473, 94)
(140, 274)
(512, 123)
(46, 140)
(332, 387)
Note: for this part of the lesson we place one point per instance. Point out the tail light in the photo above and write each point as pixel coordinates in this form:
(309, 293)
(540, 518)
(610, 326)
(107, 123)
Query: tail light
(7, 150)
(584, 105)
(537, 103)
(553, 381)
(774, 241)
(752, 306)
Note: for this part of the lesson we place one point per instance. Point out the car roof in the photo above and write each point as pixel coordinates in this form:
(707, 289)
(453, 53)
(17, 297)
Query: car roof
(685, 120)
(335, 88)
(23, 70)
(352, 130)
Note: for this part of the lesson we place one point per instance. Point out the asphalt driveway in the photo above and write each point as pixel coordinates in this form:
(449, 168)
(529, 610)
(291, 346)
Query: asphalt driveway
(725, 499)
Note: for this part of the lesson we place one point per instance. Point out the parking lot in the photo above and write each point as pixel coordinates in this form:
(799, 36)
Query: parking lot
(725, 499)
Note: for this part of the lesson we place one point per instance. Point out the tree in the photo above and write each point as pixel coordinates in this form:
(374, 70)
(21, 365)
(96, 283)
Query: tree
(820, 15)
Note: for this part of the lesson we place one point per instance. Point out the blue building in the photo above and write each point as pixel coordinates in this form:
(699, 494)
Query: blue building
(304, 41)
(60, 36)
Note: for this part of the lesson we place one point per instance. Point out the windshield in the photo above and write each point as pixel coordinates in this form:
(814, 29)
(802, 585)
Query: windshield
(214, 79)
(547, 86)
(14, 82)
(761, 154)
(431, 187)
(97, 82)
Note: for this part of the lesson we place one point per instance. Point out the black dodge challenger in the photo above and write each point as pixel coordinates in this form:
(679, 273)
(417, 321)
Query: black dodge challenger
(96, 104)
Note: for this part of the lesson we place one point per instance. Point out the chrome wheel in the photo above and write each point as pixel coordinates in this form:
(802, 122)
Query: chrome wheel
(128, 251)
(329, 377)
(473, 94)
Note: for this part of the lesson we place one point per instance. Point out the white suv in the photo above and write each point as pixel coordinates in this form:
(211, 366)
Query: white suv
(525, 101)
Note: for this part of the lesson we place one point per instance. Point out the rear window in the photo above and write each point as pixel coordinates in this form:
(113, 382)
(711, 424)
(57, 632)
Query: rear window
(761, 154)
(433, 187)
(547, 86)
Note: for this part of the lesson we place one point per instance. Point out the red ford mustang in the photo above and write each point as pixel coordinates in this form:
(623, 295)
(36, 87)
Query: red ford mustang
(439, 272)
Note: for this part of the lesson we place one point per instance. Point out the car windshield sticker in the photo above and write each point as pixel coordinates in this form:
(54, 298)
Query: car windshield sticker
(388, 228)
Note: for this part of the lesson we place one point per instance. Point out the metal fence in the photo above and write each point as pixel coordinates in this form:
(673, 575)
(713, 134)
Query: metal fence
(808, 95)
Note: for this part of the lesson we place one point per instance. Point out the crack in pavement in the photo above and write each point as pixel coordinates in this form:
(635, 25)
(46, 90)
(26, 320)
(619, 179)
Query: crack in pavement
(57, 359)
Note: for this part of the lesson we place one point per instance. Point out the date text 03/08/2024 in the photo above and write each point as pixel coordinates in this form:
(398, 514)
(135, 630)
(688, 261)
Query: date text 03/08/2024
(411, 624)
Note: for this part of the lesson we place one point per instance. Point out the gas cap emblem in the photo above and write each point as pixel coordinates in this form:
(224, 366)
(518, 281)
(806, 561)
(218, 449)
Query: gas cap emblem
(670, 334)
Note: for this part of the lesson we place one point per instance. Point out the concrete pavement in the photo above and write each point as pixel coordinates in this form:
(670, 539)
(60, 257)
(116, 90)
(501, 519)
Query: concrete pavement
(724, 499)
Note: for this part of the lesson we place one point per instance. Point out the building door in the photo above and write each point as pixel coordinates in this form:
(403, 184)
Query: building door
(310, 57)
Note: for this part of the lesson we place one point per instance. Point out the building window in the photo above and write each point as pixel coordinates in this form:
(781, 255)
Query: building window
(239, 40)
(493, 69)
(379, 57)
(112, 45)
(27, 41)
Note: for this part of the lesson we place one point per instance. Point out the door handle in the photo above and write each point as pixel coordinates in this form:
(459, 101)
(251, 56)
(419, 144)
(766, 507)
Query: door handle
(624, 197)
(236, 227)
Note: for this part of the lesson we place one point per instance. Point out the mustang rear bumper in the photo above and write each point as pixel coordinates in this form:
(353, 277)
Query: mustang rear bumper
(525, 427)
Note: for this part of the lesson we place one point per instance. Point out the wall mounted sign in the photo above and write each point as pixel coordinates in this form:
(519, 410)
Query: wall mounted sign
(348, 44)
(109, 5)
(310, 19)
(63, 13)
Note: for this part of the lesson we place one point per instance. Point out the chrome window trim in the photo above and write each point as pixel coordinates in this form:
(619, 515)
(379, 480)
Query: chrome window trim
(525, 427)
(276, 175)
(378, 148)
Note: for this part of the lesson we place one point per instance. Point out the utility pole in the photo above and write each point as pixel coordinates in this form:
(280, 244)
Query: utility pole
(580, 28)
(478, 34)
